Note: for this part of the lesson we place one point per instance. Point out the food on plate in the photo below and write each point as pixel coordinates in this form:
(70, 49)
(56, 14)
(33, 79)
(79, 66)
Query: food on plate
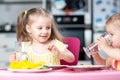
(24, 64)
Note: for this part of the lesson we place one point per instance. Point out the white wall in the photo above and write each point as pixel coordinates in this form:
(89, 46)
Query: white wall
(9, 12)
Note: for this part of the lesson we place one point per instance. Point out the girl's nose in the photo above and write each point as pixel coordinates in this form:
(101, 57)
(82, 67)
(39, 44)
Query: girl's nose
(44, 31)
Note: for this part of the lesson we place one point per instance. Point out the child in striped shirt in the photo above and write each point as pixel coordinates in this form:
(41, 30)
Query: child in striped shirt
(37, 30)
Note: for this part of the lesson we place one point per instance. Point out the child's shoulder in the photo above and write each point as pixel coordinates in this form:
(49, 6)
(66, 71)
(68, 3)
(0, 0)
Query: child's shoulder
(26, 43)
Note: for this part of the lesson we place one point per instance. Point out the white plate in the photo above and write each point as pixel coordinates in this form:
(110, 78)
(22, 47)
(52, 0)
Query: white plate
(57, 66)
(30, 70)
(3, 68)
(87, 67)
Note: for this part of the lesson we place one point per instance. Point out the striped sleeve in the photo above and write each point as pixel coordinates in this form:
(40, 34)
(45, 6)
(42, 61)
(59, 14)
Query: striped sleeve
(116, 65)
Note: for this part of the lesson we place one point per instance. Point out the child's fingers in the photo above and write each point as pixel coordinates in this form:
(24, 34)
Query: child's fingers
(95, 49)
(12, 57)
(50, 47)
(53, 49)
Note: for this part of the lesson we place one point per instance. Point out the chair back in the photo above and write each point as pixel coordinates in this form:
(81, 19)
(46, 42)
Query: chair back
(74, 47)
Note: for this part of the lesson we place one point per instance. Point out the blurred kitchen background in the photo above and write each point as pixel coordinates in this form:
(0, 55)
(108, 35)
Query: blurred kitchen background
(84, 19)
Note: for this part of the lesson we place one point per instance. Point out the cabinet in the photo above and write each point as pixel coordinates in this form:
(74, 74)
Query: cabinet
(10, 9)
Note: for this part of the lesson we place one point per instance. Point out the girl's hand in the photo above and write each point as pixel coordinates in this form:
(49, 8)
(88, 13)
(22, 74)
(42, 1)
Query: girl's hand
(94, 50)
(54, 49)
(101, 42)
(108, 62)
(12, 57)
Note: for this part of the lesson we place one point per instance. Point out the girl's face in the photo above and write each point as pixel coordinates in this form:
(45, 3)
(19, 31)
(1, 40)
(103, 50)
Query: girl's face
(114, 32)
(40, 29)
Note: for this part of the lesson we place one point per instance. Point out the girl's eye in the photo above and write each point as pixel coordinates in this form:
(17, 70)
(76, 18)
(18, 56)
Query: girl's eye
(111, 34)
(48, 28)
(39, 27)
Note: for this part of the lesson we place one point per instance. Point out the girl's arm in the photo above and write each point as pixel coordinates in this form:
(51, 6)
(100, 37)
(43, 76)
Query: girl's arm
(98, 59)
(109, 50)
(67, 55)
(63, 54)
(101, 61)
(112, 52)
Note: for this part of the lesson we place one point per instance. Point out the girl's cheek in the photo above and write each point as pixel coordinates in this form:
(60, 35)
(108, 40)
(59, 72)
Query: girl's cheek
(110, 41)
(111, 44)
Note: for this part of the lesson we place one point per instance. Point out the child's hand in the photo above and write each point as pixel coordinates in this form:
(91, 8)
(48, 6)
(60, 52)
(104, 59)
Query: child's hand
(102, 42)
(12, 57)
(53, 49)
(95, 49)
(109, 62)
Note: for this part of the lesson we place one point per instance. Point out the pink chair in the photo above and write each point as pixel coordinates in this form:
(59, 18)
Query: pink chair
(74, 47)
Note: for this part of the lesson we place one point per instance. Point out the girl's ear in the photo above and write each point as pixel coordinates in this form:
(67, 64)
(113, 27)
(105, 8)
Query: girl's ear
(28, 28)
